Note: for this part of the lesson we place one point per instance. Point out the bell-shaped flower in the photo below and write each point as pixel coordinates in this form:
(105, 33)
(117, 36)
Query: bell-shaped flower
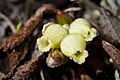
(80, 57)
(44, 44)
(83, 27)
(72, 44)
(55, 33)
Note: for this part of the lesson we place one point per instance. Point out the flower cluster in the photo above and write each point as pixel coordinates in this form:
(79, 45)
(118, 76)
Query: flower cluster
(70, 41)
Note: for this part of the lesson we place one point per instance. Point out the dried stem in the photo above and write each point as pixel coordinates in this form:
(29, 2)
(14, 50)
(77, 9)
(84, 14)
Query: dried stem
(23, 72)
(1, 75)
(113, 52)
(31, 24)
(10, 24)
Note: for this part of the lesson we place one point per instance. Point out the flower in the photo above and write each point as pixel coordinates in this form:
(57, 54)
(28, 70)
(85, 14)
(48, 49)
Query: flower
(82, 27)
(55, 33)
(72, 43)
(73, 46)
(80, 57)
(44, 44)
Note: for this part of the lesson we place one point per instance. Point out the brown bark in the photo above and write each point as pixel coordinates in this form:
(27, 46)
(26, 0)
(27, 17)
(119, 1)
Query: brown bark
(31, 24)
(23, 72)
(113, 52)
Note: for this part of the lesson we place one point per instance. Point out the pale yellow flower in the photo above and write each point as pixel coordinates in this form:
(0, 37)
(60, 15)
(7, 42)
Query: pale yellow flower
(55, 33)
(80, 57)
(82, 27)
(44, 44)
(72, 44)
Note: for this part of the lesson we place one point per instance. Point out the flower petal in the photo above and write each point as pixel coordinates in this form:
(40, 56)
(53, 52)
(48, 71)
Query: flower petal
(45, 26)
(93, 33)
(44, 44)
(80, 58)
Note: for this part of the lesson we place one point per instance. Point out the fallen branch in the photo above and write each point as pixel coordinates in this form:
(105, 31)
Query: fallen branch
(23, 72)
(31, 24)
(113, 52)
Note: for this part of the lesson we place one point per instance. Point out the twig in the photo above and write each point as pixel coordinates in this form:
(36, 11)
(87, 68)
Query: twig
(31, 24)
(42, 75)
(23, 72)
(10, 24)
(11, 72)
(1, 75)
(112, 4)
(113, 52)
(72, 9)
(72, 73)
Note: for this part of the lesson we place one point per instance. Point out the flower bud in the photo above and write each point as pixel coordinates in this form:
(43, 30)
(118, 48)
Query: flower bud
(72, 44)
(55, 59)
(63, 18)
(55, 33)
(83, 27)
